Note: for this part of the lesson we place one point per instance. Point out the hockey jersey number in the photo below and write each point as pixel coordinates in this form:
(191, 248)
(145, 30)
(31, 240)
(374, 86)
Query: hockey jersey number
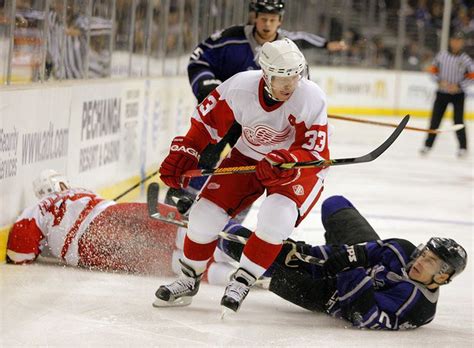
(207, 105)
(316, 141)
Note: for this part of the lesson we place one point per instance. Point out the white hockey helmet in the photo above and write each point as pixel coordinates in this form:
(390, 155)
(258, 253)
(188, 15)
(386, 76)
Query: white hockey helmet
(49, 181)
(281, 58)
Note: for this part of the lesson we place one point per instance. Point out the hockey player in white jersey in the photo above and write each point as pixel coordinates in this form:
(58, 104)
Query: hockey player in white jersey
(82, 229)
(284, 119)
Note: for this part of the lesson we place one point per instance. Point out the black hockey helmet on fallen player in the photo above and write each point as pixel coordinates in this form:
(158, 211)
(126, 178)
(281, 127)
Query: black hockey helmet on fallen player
(449, 251)
(268, 6)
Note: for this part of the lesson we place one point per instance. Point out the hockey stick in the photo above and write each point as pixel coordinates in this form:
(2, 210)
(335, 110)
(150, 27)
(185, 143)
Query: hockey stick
(453, 128)
(309, 164)
(153, 211)
(135, 186)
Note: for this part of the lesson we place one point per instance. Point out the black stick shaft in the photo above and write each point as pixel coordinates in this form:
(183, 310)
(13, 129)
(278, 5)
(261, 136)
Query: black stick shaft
(135, 186)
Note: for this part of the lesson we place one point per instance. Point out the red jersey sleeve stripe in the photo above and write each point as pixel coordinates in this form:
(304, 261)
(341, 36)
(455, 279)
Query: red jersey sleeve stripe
(215, 115)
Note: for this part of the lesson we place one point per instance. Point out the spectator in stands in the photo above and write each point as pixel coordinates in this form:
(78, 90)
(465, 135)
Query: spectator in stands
(384, 58)
(67, 44)
(412, 56)
(437, 15)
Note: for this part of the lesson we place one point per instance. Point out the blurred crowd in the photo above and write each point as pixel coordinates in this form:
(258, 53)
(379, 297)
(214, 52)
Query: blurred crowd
(423, 21)
(103, 38)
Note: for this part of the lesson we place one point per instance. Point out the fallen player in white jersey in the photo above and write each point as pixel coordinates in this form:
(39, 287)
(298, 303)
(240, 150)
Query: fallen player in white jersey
(82, 229)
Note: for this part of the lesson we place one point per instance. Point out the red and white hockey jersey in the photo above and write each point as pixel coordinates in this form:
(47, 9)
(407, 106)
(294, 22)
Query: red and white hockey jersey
(298, 124)
(57, 222)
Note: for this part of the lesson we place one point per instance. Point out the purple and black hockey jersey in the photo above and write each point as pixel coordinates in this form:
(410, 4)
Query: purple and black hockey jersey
(381, 296)
(234, 50)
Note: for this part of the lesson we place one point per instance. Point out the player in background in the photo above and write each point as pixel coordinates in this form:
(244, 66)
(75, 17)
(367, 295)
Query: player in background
(372, 283)
(231, 51)
(82, 229)
(283, 117)
(302, 39)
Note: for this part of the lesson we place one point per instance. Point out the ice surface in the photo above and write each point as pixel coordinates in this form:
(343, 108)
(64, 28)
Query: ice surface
(401, 194)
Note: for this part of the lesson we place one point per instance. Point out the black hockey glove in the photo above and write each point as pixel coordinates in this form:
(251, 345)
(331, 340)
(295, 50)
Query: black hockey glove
(287, 256)
(354, 256)
(205, 87)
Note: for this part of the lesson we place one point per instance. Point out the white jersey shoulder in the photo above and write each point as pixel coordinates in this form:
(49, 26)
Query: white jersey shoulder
(243, 82)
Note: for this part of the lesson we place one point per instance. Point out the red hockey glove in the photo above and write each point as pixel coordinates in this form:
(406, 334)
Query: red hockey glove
(270, 175)
(183, 156)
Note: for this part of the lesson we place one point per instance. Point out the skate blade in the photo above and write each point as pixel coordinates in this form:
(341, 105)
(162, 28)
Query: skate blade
(179, 302)
(263, 282)
(225, 312)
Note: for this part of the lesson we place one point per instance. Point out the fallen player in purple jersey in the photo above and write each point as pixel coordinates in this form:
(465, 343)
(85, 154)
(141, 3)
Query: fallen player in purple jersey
(373, 283)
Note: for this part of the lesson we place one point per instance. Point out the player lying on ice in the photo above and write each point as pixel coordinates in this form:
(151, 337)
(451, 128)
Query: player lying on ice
(283, 117)
(82, 229)
(378, 284)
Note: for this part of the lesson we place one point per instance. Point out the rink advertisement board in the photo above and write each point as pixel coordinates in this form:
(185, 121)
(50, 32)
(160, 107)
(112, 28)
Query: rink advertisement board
(345, 89)
(380, 92)
(34, 135)
(106, 125)
(171, 104)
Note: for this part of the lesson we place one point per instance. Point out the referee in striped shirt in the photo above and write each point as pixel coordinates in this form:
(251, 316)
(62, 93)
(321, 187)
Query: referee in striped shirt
(453, 70)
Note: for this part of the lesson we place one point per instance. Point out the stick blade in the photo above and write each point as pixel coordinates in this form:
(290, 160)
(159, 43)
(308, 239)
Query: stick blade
(379, 150)
(152, 198)
(453, 128)
(390, 140)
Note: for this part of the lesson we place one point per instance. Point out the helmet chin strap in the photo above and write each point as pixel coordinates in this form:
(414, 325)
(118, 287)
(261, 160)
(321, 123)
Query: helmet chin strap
(432, 281)
(268, 89)
(269, 93)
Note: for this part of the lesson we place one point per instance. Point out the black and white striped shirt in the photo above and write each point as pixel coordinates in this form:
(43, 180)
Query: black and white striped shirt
(66, 52)
(453, 68)
(67, 49)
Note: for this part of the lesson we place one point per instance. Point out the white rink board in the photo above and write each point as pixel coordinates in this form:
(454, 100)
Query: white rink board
(35, 134)
(353, 87)
(380, 92)
(113, 144)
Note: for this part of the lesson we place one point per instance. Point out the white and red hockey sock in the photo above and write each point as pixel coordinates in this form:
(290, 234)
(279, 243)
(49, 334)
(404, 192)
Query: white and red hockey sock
(258, 255)
(197, 255)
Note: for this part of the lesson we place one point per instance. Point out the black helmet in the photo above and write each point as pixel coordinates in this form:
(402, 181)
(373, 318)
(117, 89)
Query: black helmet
(268, 6)
(450, 252)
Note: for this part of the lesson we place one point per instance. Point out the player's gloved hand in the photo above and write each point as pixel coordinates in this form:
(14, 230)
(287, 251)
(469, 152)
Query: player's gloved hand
(183, 156)
(354, 256)
(269, 174)
(205, 87)
(287, 255)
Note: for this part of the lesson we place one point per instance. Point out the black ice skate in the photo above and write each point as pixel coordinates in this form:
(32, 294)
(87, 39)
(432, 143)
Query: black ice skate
(180, 292)
(237, 290)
